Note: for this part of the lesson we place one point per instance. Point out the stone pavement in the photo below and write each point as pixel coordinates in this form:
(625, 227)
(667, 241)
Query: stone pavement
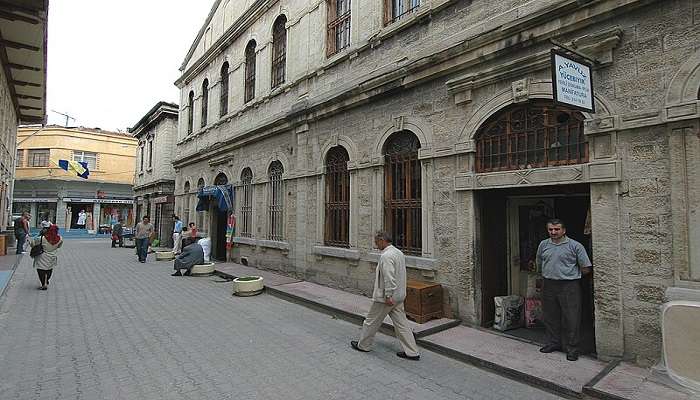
(112, 328)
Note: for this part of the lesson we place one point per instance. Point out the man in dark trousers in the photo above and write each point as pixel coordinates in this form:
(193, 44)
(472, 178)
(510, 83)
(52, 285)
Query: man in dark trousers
(118, 234)
(562, 260)
(191, 255)
(21, 231)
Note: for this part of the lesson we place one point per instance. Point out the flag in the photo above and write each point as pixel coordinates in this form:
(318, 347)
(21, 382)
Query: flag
(79, 167)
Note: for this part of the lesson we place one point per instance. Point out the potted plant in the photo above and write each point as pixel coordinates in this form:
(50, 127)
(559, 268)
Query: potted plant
(248, 285)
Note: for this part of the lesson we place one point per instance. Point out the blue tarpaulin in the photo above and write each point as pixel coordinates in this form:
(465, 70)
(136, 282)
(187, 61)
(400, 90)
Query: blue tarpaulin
(223, 194)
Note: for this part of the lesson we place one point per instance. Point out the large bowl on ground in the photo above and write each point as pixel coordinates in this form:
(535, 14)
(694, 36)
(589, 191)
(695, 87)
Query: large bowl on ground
(203, 269)
(248, 285)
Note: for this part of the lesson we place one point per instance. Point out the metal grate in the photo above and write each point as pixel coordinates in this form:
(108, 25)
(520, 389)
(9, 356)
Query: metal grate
(337, 227)
(275, 209)
(186, 205)
(246, 208)
(223, 99)
(402, 193)
(250, 71)
(190, 114)
(205, 102)
(531, 136)
(279, 51)
(338, 26)
(398, 9)
(39, 158)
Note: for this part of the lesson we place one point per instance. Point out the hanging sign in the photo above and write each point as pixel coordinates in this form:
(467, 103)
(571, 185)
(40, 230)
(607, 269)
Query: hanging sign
(572, 83)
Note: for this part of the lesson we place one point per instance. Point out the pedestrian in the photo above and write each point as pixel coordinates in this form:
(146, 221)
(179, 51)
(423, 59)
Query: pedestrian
(144, 235)
(193, 231)
(21, 231)
(387, 299)
(192, 255)
(562, 260)
(177, 235)
(50, 241)
(118, 234)
(82, 218)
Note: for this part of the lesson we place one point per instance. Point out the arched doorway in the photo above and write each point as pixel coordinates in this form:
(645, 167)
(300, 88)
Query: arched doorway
(536, 137)
(219, 221)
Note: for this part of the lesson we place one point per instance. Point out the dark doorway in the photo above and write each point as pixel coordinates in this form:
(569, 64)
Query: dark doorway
(219, 235)
(75, 209)
(494, 263)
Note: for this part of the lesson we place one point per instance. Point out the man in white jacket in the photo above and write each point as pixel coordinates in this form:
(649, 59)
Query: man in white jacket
(388, 296)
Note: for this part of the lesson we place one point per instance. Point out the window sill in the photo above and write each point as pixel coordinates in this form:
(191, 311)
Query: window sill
(413, 262)
(271, 244)
(337, 252)
(245, 240)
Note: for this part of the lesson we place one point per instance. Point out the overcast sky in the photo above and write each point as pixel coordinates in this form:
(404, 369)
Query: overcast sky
(109, 62)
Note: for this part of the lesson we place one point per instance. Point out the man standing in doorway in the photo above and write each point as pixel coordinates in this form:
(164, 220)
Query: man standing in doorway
(177, 235)
(144, 234)
(387, 298)
(562, 261)
(82, 219)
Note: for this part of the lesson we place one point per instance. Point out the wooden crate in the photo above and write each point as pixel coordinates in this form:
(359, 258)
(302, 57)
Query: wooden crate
(423, 301)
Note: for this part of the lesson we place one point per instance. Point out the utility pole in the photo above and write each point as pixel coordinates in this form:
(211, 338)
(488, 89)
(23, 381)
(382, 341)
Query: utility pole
(65, 115)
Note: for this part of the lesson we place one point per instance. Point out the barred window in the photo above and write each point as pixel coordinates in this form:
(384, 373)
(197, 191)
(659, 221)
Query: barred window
(395, 10)
(141, 156)
(338, 35)
(221, 179)
(275, 207)
(190, 113)
(87, 157)
(223, 95)
(279, 51)
(533, 135)
(150, 153)
(200, 214)
(19, 160)
(250, 71)
(205, 102)
(186, 203)
(402, 193)
(337, 227)
(39, 158)
(246, 209)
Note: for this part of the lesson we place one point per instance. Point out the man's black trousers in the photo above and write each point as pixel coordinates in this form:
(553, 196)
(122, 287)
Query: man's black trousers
(561, 300)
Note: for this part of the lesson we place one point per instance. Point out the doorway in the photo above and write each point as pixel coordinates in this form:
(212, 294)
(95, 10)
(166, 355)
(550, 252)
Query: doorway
(218, 238)
(513, 224)
(73, 213)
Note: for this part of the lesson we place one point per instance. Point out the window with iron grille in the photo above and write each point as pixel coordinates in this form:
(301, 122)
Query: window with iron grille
(275, 197)
(338, 31)
(141, 156)
(395, 10)
(205, 102)
(250, 71)
(221, 179)
(246, 208)
(200, 214)
(39, 158)
(533, 135)
(337, 226)
(150, 153)
(186, 203)
(190, 114)
(279, 51)
(87, 157)
(402, 192)
(19, 160)
(223, 99)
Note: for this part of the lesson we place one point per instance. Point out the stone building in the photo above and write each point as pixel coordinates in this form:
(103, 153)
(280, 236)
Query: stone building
(23, 29)
(435, 120)
(154, 180)
(49, 192)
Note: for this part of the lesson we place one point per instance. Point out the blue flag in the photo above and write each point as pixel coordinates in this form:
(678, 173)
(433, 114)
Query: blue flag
(79, 167)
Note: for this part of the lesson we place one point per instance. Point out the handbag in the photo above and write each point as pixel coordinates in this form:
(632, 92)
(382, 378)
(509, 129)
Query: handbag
(37, 248)
(115, 237)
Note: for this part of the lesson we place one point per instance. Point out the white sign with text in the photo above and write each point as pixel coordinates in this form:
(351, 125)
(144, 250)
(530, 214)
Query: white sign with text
(573, 85)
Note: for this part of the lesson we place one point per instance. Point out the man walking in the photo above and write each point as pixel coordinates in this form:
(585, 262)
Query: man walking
(21, 231)
(144, 234)
(177, 235)
(562, 261)
(388, 296)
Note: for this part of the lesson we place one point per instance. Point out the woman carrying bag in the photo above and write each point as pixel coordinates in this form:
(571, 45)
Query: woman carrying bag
(46, 258)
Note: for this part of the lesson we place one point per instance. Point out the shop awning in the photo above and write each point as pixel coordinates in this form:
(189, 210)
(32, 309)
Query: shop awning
(223, 194)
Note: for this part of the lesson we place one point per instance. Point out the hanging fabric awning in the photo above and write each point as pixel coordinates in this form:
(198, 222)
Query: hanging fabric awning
(222, 193)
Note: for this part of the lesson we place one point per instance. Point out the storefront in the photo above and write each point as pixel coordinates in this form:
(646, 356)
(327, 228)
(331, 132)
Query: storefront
(218, 201)
(41, 209)
(101, 214)
(162, 218)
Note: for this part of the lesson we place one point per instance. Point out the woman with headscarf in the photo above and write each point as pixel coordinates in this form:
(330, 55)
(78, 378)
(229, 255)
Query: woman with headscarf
(45, 262)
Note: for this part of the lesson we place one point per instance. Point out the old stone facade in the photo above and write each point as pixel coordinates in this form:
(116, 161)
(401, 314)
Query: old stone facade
(154, 176)
(416, 106)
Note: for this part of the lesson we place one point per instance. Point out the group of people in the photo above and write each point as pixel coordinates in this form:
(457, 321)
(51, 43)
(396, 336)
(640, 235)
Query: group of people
(46, 243)
(187, 243)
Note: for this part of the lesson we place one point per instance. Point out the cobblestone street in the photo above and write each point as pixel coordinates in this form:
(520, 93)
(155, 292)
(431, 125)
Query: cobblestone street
(112, 328)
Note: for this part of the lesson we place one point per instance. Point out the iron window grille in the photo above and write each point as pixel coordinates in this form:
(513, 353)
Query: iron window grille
(338, 32)
(205, 102)
(200, 214)
(186, 205)
(250, 71)
(223, 99)
(39, 158)
(275, 208)
(279, 51)
(19, 160)
(395, 10)
(337, 223)
(533, 135)
(190, 113)
(402, 193)
(246, 209)
(150, 153)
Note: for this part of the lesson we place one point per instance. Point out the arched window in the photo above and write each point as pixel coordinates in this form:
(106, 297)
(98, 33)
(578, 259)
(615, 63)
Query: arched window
(223, 94)
(279, 51)
(246, 198)
(531, 135)
(250, 71)
(200, 214)
(402, 193)
(221, 179)
(205, 102)
(275, 197)
(337, 227)
(186, 203)
(190, 112)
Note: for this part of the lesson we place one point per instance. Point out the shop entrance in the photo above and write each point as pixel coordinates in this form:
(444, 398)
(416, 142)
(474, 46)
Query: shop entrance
(73, 213)
(513, 222)
(218, 234)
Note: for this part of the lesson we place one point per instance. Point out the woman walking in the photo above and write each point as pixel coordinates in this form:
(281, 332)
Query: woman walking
(44, 263)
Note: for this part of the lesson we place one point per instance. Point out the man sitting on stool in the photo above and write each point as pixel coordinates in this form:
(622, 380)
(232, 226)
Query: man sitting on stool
(191, 255)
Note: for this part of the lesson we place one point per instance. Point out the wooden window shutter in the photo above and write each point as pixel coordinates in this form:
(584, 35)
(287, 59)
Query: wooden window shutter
(388, 11)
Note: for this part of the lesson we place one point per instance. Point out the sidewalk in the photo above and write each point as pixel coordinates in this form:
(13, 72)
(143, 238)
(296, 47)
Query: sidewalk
(589, 378)
(8, 264)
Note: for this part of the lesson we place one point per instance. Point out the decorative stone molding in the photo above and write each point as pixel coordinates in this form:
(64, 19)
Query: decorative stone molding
(599, 45)
(337, 252)
(422, 129)
(521, 90)
(338, 140)
(420, 263)
(609, 171)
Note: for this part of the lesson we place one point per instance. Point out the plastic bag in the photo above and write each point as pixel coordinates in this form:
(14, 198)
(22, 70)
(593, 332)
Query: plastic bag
(509, 312)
